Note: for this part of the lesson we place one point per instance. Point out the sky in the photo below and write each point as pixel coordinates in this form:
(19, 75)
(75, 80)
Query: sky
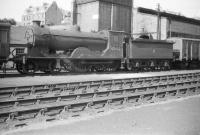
(15, 8)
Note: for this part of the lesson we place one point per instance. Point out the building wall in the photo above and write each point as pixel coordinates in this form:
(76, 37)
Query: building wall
(121, 18)
(47, 14)
(147, 23)
(114, 17)
(172, 25)
(53, 15)
(28, 18)
(88, 16)
(184, 30)
(104, 15)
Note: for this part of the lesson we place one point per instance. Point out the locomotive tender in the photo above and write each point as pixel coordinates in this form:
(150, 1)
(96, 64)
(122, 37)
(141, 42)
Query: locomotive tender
(50, 50)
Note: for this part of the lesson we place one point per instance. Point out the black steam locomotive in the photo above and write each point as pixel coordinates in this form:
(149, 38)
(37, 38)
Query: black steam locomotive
(52, 50)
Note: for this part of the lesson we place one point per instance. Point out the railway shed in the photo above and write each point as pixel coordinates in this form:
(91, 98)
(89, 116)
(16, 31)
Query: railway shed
(172, 24)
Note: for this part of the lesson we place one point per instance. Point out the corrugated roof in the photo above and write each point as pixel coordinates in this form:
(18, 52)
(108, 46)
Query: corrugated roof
(170, 16)
(119, 2)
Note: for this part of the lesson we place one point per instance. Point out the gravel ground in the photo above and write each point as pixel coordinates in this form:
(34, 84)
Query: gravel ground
(37, 80)
(176, 117)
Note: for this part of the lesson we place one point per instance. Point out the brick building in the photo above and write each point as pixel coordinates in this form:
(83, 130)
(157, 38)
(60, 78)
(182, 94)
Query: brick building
(49, 14)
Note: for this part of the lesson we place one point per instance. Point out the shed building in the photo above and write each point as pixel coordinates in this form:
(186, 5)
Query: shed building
(172, 24)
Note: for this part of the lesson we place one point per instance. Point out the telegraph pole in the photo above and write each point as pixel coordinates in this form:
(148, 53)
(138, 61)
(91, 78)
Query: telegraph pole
(74, 12)
(158, 23)
(132, 15)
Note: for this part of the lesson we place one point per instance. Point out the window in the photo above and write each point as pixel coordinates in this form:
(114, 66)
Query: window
(19, 51)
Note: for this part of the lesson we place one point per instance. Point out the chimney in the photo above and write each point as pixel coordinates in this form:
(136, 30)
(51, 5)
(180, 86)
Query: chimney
(132, 16)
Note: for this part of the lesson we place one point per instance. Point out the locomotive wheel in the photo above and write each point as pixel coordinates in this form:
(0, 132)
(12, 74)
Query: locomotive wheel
(19, 67)
(22, 69)
(68, 67)
(28, 68)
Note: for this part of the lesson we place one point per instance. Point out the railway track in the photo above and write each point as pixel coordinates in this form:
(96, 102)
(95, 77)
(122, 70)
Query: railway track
(14, 73)
(24, 105)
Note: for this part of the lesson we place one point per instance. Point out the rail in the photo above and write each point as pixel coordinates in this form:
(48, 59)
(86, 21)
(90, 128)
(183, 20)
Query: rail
(24, 105)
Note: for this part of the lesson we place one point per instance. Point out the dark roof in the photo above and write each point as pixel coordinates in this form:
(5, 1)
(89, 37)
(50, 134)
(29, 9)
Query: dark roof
(170, 16)
(2, 24)
(119, 2)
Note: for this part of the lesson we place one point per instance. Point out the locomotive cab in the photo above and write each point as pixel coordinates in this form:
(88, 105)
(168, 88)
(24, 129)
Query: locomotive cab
(4, 42)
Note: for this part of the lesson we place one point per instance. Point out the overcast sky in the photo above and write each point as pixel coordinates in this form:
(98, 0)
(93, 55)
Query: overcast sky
(15, 8)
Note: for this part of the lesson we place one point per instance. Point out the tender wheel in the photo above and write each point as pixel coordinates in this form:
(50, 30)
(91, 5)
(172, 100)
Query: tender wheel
(28, 68)
(49, 69)
(80, 68)
(52, 68)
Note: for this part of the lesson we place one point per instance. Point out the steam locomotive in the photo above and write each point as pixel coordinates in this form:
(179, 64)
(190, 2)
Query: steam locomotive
(51, 50)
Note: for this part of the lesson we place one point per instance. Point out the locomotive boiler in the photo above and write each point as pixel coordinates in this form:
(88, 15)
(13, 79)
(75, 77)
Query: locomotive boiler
(63, 39)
